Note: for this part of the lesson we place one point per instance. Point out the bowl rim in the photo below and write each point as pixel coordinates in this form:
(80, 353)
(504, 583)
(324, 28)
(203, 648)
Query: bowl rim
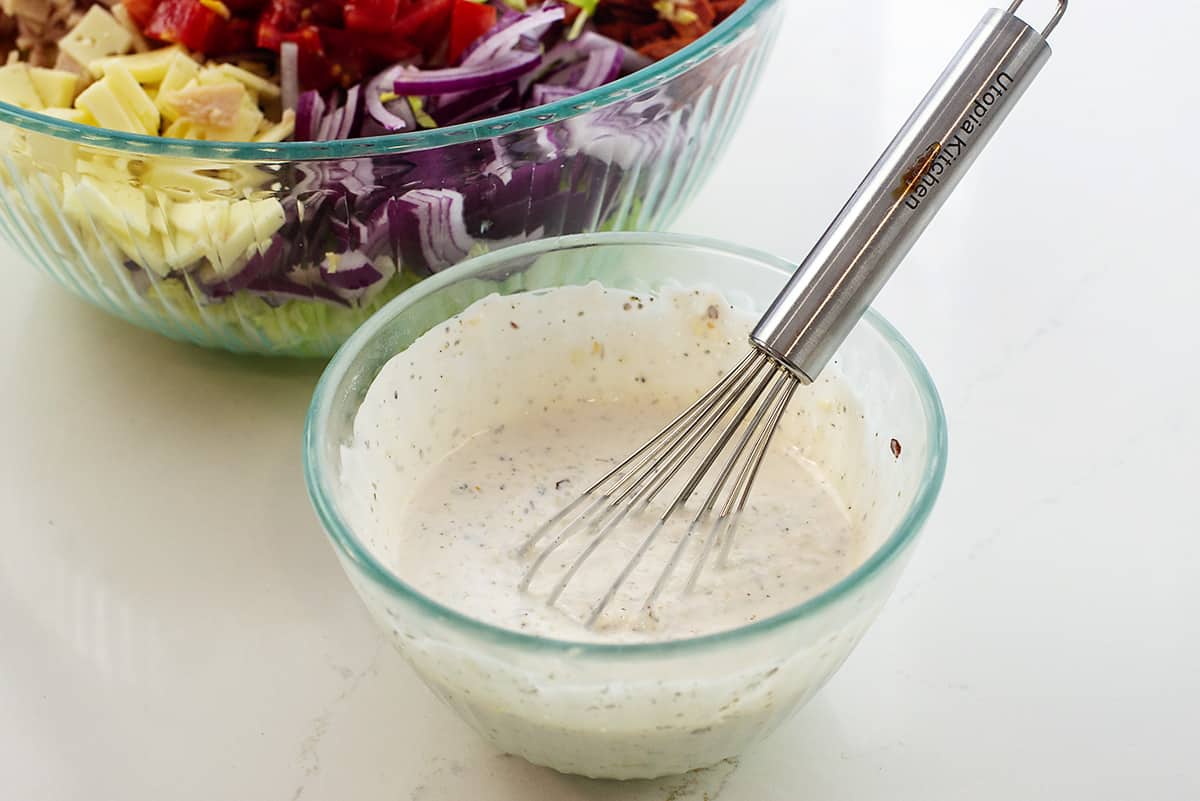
(349, 546)
(630, 85)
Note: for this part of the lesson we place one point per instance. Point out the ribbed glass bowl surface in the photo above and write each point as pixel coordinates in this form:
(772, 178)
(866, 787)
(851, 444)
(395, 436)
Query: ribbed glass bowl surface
(177, 236)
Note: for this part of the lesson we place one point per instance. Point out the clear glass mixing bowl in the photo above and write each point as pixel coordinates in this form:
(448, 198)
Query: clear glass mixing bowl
(646, 709)
(229, 245)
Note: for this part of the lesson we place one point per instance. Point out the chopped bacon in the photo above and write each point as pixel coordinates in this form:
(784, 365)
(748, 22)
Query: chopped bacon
(658, 28)
(661, 48)
(648, 34)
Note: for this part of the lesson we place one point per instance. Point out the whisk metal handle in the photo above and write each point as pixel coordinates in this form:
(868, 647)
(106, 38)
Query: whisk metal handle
(904, 190)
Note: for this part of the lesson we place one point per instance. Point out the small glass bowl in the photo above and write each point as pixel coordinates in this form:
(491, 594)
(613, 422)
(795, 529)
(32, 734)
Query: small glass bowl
(645, 709)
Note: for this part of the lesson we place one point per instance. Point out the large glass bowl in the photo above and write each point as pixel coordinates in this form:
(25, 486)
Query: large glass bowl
(638, 710)
(223, 244)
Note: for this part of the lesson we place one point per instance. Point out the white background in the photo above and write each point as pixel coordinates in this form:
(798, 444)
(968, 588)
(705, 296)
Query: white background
(173, 624)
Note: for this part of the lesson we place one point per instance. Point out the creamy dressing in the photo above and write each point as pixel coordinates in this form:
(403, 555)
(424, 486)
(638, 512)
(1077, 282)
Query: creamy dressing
(487, 425)
(478, 504)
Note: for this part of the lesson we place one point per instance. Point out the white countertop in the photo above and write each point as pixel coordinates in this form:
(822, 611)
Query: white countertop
(174, 624)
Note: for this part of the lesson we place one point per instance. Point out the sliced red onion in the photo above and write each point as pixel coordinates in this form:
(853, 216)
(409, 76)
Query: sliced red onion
(349, 270)
(355, 177)
(555, 58)
(620, 136)
(466, 78)
(508, 31)
(545, 138)
(383, 228)
(352, 114)
(261, 263)
(289, 73)
(568, 53)
(631, 60)
(403, 109)
(506, 38)
(330, 125)
(501, 164)
(310, 112)
(349, 233)
(601, 66)
(473, 105)
(385, 114)
(433, 218)
(543, 93)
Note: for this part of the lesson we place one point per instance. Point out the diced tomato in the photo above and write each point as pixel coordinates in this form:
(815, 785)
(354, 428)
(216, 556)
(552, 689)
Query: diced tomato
(468, 21)
(385, 48)
(426, 24)
(327, 12)
(244, 8)
(307, 37)
(370, 15)
(237, 36)
(356, 55)
(341, 43)
(140, 11)
(285, 16)
(280, 16)
(312, 66)
(186, 22)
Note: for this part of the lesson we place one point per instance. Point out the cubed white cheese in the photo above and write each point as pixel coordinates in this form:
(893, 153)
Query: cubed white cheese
(106, 107)
(182, 177)
(181, 72)
(17, 88)
(56, 87)
(97, 35)
(251, 222)
(119, 208)
(280, 130)
(261, 86)
(149, 67)
(70, 115)
(132, 96)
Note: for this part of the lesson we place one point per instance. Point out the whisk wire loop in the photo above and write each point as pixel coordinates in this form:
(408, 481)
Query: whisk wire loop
(650, 481)
(730, 424)
(783, 380)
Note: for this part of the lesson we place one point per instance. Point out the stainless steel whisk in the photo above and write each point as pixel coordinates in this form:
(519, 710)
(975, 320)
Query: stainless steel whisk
(809, 319)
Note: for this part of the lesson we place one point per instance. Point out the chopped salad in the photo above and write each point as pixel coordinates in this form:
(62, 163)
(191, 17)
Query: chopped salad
(340, 232)
(232, 69)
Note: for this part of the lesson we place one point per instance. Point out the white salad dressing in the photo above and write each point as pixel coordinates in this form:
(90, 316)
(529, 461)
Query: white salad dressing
(488, 424)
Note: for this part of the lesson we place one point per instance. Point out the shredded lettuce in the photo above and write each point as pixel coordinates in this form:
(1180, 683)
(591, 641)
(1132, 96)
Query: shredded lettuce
(245, 323)
(587, 10)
